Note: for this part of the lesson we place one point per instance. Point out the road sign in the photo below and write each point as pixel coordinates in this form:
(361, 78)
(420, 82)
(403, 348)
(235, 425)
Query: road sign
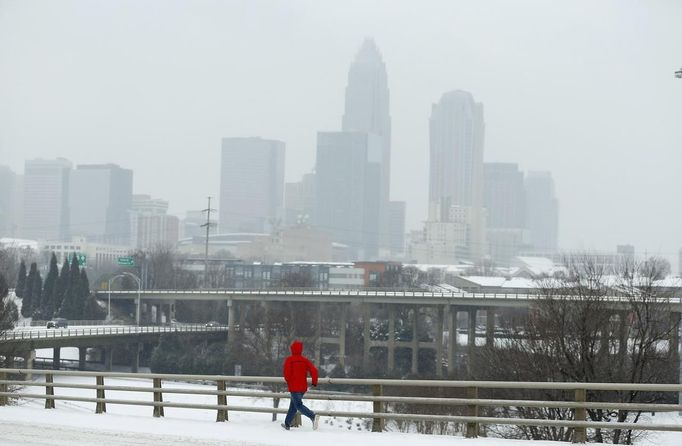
(82, 260)
(126, 261)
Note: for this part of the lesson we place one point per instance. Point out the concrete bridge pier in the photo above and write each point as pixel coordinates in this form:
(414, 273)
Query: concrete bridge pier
(230, 321)
(471, 338)
(56, 359)
(29, 359)
(365, 335)
(135, 360)
(108, 357)
(490, 327)
(318, 334)
(171, 310)
(415, 340)
(451, 320)
(674, 341)
(342, 336)
(82, 354)
(391, 338)
(438, 337)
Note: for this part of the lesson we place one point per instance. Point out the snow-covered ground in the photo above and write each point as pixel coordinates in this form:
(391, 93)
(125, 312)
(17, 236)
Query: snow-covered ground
(76, 424)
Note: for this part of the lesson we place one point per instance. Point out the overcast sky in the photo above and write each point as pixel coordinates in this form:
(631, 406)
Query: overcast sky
(584, 89)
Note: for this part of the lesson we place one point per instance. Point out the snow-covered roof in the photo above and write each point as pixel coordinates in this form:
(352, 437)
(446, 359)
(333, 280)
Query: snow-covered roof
(7, 242)
(486, 281)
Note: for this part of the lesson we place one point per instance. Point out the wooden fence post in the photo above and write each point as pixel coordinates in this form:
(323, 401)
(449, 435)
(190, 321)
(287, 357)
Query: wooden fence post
(297, 420)
(101, 406)
(472, 411)
(275, 405)
(3, 388)
(580, 433)
(222, 401)
(49, 391)
(377, 407)
(158, 398)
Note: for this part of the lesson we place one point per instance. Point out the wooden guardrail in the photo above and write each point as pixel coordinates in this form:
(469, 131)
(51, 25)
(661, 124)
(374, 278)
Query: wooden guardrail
(472, 403)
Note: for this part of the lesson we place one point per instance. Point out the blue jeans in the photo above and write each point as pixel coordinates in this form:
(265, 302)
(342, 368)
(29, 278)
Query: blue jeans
(295, 405)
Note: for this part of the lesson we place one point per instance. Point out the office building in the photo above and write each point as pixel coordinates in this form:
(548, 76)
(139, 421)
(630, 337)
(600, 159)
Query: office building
(46, 199)
(251, 184)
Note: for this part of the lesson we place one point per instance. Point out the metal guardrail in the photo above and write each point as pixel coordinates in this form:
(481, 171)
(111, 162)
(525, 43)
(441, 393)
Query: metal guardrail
(62, 333)
(379, 414)
(40, 323)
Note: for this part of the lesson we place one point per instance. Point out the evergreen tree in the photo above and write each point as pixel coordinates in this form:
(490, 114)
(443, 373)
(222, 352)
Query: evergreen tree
(48, 301)
(72, 306)
(84, 291)
(21, 280)
(62, 283)
(76, 289)
(36, 285)
(32, 292)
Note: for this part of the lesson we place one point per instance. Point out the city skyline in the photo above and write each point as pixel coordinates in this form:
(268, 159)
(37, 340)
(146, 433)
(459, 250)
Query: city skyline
(538, 121)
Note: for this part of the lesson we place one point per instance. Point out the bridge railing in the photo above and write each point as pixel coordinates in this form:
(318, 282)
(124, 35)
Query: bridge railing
(41, 323)
(57, 333)
(369, 293)
(380, 411)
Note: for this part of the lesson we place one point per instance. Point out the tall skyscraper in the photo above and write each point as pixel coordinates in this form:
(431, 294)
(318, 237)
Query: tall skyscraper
(101, 202)
(367, 102)
(542, 211)
(456, 133)
(367, 110)
(46, 199)
(504, 199)
(347, 198)
(8, 180)
(251, 184)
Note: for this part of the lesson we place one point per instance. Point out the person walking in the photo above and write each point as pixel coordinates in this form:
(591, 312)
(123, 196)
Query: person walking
(296, 369)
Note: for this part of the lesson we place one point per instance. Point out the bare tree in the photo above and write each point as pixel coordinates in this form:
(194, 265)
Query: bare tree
(591, 324)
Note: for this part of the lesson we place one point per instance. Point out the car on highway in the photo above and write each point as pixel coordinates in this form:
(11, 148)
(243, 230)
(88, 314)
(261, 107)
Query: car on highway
(58, 322)
(213, 324)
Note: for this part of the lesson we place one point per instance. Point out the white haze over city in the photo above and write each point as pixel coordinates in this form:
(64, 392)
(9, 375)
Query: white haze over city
(580, 88)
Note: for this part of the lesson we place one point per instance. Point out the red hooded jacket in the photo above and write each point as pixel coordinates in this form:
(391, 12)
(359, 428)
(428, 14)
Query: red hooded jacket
(296, 368)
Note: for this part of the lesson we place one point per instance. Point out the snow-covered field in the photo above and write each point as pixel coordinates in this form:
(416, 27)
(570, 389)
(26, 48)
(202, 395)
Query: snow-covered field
(75, 423)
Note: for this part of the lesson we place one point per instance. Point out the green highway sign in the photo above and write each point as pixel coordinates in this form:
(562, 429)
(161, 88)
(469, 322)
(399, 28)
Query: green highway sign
(82, 261)
(126, 261)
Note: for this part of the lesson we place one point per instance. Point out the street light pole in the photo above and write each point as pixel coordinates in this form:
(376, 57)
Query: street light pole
(109, 300)
(139, 298)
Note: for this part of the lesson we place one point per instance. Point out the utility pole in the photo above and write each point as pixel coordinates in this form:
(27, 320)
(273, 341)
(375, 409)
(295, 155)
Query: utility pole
(207, 225)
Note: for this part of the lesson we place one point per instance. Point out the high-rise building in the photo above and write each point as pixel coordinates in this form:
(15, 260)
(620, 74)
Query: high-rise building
(542, 211)
(504, 195)
(299, 201)
(251, 184)
(456, 133)
(151, 226)
(8, 180)
(367, 110)
(46, 199)
(367, 103)
(504, 198)
(101, 203)
(348, 189)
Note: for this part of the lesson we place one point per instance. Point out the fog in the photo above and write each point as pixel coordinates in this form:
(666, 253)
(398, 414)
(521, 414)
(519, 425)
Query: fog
(583, 89)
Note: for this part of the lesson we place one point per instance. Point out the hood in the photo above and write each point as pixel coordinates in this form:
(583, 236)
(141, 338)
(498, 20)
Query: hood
(296, 348)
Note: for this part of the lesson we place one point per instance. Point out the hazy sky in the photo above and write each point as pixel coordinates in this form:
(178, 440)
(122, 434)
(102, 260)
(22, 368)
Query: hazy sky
(584, 89)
